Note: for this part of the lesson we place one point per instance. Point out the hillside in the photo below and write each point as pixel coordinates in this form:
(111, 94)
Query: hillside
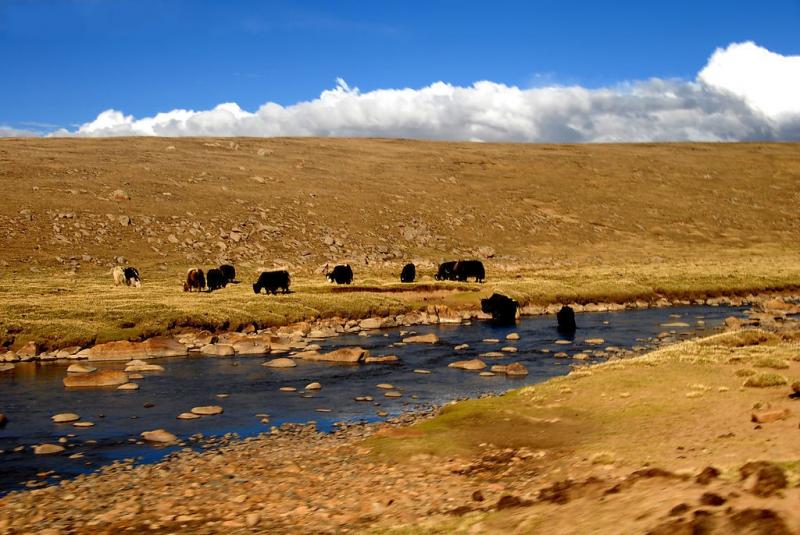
(302, 202)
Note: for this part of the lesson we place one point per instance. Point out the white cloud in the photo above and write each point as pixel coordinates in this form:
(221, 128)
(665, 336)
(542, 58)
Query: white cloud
(744, 92)
(7, 131)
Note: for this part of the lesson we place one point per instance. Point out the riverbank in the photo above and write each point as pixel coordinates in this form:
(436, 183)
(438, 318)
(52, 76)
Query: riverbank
(606, 449)
(40, 315)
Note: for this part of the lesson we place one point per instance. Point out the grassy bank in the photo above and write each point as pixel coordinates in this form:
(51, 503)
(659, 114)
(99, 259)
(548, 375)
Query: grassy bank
(58, 310)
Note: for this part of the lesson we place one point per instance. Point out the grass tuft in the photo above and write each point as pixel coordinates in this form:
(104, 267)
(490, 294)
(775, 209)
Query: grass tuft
(765, 380)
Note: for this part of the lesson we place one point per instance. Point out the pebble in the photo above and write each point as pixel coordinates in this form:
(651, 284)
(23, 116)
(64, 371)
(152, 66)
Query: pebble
(207, 410)
(65, 417)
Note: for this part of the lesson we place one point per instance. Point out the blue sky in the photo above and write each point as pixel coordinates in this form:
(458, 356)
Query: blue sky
(64, 61)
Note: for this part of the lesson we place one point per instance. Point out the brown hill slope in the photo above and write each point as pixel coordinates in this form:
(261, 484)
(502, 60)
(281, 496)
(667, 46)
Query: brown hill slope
(302, 202)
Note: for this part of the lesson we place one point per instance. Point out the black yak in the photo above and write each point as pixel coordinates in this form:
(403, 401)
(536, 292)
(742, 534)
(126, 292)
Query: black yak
(409, 273)
(566, 320)
(271, 281)
(341, 274)
(215, 279)
(195, 280)
(229, 271)
(469, 268)
(445, 272)
(502, 308)
(126, 275)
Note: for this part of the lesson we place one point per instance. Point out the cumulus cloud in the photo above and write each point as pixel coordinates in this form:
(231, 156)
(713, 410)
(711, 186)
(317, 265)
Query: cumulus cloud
(745, 92)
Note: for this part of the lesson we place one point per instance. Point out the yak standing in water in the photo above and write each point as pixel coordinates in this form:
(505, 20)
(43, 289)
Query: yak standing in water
(409, 273)
(445, 272)
(271, 281)
(341, 274)
(503, 309)
(469, 268)
(566, 320)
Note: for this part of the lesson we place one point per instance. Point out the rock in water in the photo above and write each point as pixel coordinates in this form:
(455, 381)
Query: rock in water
(96, 379)
(128, 386)
(282, 362)
(474, 364)
(6, 366)
(313, 386)
(516, 369)
(187, 416)
(160, 436)
(351, 355)
(81, 368)
(65, 417)
(512, 336)
(207, 410)
(47, 449)
(429, 338)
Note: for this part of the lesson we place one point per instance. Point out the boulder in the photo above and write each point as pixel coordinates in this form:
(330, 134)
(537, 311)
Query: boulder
(65, 417)
(68, 352)
(128, 386)
(207, 410)
(385, 359)
(351, 355)
(96, 379)
(322, 332)
(429, 338)
(119, 350)
(143, 368)
(28, 351)
(371, 323)
(164, 346)
(282, 362)
(473, 364)
(218, 350)
(516, 369)
(6, 367)
(251, 347)
(768, 416)
(160, 436)
(47, 449)
(81, 368)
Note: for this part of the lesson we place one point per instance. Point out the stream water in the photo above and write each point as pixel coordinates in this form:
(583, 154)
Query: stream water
(33, 392)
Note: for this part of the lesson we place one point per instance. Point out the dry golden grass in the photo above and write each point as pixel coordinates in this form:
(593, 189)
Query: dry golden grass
(561, 223)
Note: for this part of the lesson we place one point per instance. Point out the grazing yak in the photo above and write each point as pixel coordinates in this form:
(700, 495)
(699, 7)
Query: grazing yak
(445, 272)
(229, 271)
(503, 309)
(195, 280)
(341, 274)
(215, 279)
(409, 273)
(566, 320)
(271, 281)
(128, 276)
(469, 268)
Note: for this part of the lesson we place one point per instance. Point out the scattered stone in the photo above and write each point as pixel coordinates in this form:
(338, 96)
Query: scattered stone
(473, 364)
(708, 474)
(128, 386)
(81, 368)
(47, 449)
(187, 416)
(363, 398)
(207, 410)
(509, 349)
(159, 436)
(351, 355)
(282, 362)
(594, 341)
(486, 374)
(712, 499)
(83, 424)
(384, 359)
(313, 386)
(512, 336)
(65, 418)
(385, 386)
(144, 368)
(421, 371)
(768, 477)
(461, 347)
(429, 338)
(768, 416)
(393, 394)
